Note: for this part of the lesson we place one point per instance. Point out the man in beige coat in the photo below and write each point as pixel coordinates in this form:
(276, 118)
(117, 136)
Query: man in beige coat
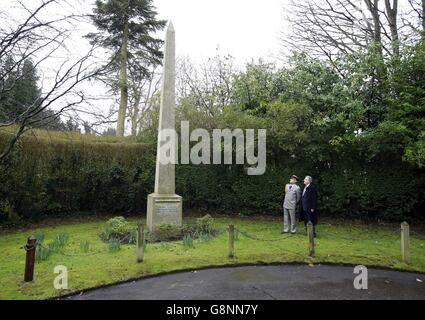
(292, 196)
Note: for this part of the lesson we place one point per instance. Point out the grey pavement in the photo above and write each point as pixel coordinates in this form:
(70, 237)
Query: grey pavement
(266, 282)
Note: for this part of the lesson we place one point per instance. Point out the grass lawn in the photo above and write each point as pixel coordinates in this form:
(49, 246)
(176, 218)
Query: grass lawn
(337, 242)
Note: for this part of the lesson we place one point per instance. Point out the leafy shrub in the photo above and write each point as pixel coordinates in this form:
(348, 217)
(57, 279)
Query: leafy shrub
(204, 226)
(43, 252)
(114, 245)
(203, 230)
(40, 237)
(165, 232)
(187, 229)
(119, 229)
(84, 246)
(60, 240)
(187, 240)
(204, 237)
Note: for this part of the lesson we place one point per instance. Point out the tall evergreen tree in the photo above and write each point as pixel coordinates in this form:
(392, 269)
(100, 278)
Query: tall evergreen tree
(19, 91)
(126, 28)
(27, 90)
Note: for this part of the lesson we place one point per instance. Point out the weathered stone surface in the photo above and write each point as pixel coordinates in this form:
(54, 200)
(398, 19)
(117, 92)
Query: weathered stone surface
(164, 206)
(165, 173)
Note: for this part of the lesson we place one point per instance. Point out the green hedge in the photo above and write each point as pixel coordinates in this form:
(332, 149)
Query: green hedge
(53, 176)
(390, 192)
(44, 177)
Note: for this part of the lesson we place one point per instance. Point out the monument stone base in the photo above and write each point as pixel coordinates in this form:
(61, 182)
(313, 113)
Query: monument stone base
(164, 208)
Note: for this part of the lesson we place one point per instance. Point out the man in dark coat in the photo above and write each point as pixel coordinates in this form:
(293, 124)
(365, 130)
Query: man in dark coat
(309, 203)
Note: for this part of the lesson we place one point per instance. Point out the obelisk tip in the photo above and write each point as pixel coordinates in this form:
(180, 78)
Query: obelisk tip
(170, 26)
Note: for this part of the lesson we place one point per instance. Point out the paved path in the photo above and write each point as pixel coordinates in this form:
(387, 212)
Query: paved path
(267, 282)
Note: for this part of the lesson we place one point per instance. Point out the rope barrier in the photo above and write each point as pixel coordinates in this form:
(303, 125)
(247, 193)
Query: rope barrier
(421, 236)
(379, 239)
(323, 236)
(252, 237)
(68, 254)
(290, 251)
(73, 254)
(273, 241)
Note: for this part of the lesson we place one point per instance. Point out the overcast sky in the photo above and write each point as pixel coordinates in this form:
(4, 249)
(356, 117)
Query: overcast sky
(243, 28)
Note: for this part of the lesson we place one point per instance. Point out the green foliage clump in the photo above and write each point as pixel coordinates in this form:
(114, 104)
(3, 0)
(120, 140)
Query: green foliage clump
(114, 245)
(84, 246)
(59, 241)
(40, 237)
(204, 227)
(118, 229)
(204, 237)
(187, 241)
(43, 252)
(165, 232)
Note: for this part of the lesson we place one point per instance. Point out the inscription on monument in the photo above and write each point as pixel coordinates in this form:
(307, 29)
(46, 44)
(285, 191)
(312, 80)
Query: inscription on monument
(166, 210)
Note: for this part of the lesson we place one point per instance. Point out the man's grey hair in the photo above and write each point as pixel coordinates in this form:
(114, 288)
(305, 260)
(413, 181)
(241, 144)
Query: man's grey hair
(309, 178)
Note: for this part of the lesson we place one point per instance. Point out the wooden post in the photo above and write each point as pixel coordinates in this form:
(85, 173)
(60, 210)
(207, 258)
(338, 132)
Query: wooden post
(231, 240)
(140, 243)
(405, 242)
(30, 258)
(310, 235)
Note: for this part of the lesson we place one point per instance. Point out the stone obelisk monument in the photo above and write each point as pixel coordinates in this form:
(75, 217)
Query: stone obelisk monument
(164, 206)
